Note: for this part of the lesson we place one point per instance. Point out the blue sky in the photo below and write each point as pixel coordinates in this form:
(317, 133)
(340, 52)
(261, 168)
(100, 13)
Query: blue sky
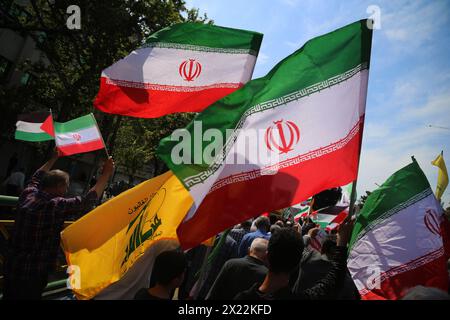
(409, 84)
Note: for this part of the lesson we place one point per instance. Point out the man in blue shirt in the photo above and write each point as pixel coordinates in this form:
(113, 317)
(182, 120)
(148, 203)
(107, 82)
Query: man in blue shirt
(263, 225)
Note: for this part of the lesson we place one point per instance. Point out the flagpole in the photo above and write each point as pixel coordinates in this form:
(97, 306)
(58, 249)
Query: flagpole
(351, 209)
(352, 199)
(104, 144)
(54, 134)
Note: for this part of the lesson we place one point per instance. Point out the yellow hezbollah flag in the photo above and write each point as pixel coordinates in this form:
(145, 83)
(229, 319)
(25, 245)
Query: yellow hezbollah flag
(110, 251)
(442, 175)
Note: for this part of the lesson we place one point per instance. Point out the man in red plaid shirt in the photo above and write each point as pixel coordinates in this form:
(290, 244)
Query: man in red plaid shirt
(40, 216)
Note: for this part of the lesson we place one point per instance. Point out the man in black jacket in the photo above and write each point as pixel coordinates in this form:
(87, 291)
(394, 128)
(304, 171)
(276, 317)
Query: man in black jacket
(315, 265)
(241, 273)
(284, 254)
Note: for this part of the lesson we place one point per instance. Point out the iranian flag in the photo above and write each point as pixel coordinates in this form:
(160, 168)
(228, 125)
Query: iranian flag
(78, 136)
(399, 238)
(307, 116)
(182, 68)
(29, 127)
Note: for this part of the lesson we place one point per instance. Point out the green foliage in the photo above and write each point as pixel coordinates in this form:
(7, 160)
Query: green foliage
(66, 79)
(137, 139)
(363, 198)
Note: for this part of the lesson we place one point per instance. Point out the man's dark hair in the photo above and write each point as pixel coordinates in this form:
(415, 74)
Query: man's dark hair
(274, 229)
(280, 223)
(328, 247)
(246, 225)
(168, 266)
(285, 250)
(273, 218)
(54, 178)
(263, 223)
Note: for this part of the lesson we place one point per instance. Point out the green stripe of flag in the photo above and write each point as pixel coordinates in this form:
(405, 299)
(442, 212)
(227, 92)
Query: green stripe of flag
(401, 190)
(207, 35)
(33, 137)
(75, 125)
(319, 60)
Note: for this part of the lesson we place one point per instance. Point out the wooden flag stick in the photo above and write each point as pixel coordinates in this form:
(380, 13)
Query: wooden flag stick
(104, 144)
(352, 200)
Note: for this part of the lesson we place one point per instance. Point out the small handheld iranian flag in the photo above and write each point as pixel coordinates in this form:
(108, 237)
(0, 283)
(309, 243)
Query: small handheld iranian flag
(78, 136)
(181, 68)
(29, 127)
(400, 238)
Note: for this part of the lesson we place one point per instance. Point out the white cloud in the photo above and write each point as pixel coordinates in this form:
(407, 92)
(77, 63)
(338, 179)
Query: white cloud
(376, 130)
(312, 29)
(378, 164)
(435, 111)
(388, 147)
(414, 23)
(291, 3)
(262, 58)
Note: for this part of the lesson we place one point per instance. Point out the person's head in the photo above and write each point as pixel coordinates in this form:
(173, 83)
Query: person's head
(246, 225)
(273, 218)
(55, 182)
(169, 269)
(274, 228)
(426, 293)
(328, 247)
(262, 223)
(280, 223)
(258, 249)
(284, 251)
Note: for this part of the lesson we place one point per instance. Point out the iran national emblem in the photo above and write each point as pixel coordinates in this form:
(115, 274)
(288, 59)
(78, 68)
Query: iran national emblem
(76, 136)
(190, 69)
(282, 136)
(431, 221)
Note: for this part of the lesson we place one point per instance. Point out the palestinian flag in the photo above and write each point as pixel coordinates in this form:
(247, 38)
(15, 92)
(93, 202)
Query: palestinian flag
(398, 239)
(330, 218)
(28, 126)
(182, 68)
(302, 209)
(78, 136)
(307, 116)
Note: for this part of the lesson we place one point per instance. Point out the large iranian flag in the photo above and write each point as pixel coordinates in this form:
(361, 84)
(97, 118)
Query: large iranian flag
(182, 68)
(399, 238)
(307, 114)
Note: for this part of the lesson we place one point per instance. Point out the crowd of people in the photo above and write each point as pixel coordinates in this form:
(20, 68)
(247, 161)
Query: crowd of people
(270, 257)
(257, 264)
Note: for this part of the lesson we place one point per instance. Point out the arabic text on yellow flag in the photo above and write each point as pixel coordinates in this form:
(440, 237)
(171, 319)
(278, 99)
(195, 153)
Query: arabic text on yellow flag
(442, 175)
(103, 245)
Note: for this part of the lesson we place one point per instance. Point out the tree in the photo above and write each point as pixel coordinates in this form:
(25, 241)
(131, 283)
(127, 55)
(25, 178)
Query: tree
(363, 198)
(66, 79)
(137, 140)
